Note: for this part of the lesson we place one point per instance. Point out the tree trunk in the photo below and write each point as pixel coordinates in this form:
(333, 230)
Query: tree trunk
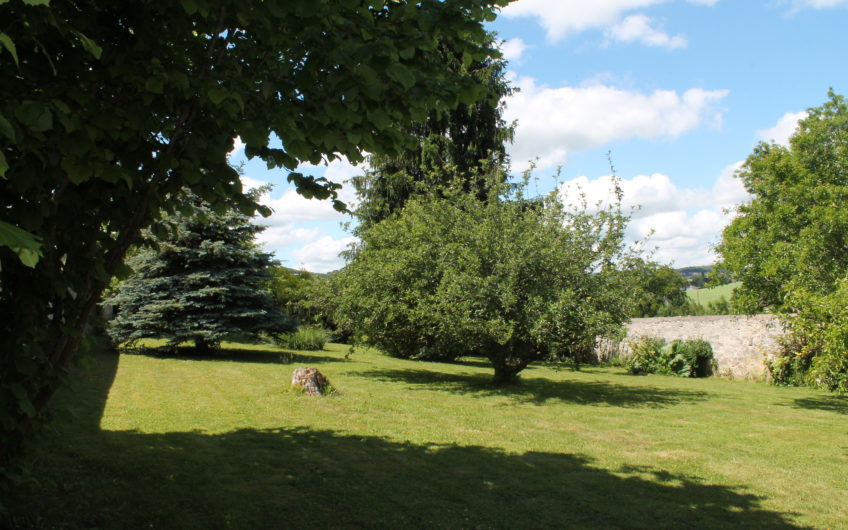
(506, 374)
(202, 347)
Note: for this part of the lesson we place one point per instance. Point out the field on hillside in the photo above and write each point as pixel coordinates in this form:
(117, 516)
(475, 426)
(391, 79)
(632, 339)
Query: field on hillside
(157, 442)
(712, 294)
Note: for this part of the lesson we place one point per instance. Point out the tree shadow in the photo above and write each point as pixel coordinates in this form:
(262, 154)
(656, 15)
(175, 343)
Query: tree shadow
(324, 479)
(302, 477)
(540, 390)
(235, 355)
(835, 404)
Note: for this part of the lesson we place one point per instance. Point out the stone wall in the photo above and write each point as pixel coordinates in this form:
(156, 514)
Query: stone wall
(739, 342)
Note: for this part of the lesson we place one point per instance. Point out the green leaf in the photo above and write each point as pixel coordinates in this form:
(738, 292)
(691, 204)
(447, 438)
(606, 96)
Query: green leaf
(37, 2)
(35, 116)
(402, 75)
(22, 243)
(379, 118)
(90, 46)
(217, 95)
(156, 85)
(7, 43)
(4, 166)
(189, 6)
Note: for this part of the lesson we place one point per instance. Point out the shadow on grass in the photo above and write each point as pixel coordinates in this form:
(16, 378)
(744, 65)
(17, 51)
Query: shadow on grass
(282, 478)
(235, 355)
(539, 390)
(322, 479)
(835, 404)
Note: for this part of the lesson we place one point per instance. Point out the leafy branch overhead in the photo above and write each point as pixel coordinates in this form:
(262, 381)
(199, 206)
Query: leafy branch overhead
(109, 111)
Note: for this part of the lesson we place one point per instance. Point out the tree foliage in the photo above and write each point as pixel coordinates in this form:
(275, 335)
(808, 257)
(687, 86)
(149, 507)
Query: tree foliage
(107, 111)
(204, 282)
(468, 141)
(789, 245)
(512, 279)
(661, 290)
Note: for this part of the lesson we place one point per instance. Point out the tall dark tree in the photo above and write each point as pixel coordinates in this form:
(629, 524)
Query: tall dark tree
(205, 282)
(468, 142)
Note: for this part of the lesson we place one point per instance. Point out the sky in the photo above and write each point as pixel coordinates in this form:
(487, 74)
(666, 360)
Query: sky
(674, 93)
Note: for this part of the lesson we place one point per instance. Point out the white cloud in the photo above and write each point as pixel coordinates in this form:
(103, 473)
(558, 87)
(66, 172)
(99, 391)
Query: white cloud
(561, 18)
(513, 49)
(685, 222)
(238, 146)
(819, 4)
(555, 121)
(286, 235)
(323, 255)
(638, 28)
(785, 127)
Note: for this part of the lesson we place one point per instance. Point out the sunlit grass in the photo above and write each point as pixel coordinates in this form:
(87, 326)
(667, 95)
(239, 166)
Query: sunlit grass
(224, 442)
(709, 295)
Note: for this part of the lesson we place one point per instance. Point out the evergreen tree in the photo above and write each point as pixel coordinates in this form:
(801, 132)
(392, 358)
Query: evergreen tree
(205, 282)
(468, 141)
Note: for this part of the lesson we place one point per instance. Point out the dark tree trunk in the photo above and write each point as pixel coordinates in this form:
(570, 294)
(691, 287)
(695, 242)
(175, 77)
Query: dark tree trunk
(505, 374)
(202, 347)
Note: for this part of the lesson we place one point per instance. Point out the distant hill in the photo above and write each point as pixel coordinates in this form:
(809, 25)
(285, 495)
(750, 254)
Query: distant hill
(688, 272)
(696, 276)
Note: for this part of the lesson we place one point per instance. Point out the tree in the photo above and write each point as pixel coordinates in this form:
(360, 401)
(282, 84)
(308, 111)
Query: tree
(107, 111)
(205, 282)
(290, 289)
(469, 141)
(789, 245)
(662, 290)
(512, 279)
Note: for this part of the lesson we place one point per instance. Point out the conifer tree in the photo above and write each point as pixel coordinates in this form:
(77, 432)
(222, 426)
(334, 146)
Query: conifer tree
(203, 283)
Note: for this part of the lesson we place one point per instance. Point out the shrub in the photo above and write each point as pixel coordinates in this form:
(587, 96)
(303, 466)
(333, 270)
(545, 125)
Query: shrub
(305, 338)
(684, 358)
(815, 350)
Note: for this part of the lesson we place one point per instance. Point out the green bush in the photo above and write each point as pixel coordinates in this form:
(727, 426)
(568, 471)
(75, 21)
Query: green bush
(815, 350)
(305, 338)
(684, 358)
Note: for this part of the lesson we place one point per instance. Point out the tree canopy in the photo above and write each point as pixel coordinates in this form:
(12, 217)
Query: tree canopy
(508, 278)
(793, 233)
(789, 244)
(204, 282)
(107, 111)
(468, 141)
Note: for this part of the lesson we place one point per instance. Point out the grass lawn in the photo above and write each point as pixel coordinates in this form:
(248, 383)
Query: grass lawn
(224, 443)
(712, 294)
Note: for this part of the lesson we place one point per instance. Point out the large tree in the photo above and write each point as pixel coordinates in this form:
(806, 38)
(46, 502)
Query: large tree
(508, 278)
(204, 281)
(789, 244)
(468, 141)
(108, 110)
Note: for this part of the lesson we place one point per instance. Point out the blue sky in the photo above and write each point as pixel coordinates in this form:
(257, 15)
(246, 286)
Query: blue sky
(679, 91)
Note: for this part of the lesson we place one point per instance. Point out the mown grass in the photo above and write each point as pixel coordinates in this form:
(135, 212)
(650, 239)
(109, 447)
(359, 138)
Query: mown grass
(709, 295)
(169, 442)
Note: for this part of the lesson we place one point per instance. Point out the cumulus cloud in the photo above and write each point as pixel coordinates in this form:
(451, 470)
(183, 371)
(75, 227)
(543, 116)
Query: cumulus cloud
(555, 121)
(560, 18)
(513, 49)
(323, 255)
(638, 28)
(783, 129)
(682, 224)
